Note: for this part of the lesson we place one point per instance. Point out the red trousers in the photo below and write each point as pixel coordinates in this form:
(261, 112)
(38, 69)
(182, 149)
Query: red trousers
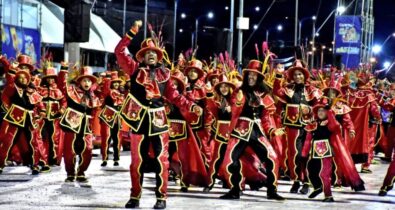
(77, 145)
(141, 146)
(22, 138)
(319, 173)
(372, 140)
(296, 163)
(107, 134)
(202, 136)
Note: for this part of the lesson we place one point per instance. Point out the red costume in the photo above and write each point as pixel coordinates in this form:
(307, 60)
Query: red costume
(23, 105)
(143, 110)
(297, 100)
(55, 104)
(76, 123)
(110, 121)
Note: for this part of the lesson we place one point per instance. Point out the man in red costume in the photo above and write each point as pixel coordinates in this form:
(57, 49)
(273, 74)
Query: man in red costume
(297, 97)
(23, 105)
(76, 122)
(251, 126)
(110, 121)
(143, 110)
(55, 104)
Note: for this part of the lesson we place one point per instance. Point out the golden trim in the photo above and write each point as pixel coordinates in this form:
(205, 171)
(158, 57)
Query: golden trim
(65, 119)
(18, 122)
(315, 142)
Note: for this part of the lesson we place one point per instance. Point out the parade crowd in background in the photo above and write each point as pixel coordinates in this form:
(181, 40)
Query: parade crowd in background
(201, 122)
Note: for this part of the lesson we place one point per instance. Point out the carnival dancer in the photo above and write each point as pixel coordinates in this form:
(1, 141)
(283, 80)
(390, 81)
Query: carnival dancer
(318, 142)
(110, 121)
(144, 111)
(252, 108)
(297, 98)
(196, 91)
(184, 151)
(55, 104)
(76, 121)
(364, 109)
(24, 105)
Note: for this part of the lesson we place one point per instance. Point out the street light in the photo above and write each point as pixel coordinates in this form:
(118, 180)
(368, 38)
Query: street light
(341, 9)
(278, 28)
(387, 64)
(210, 15)
(257, 9)
(300, 27)
(183, 15)
(376, 49)
(226, 8)
(255, 26)
(180, 30)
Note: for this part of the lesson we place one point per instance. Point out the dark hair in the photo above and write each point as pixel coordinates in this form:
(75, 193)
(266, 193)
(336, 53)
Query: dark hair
(260, 86)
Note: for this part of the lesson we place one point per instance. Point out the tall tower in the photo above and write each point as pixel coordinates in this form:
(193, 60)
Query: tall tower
(366, 10)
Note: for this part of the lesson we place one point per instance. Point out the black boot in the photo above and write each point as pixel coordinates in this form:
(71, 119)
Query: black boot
(160, 204)
(104, 164)
(315, 193)
(295, 187)
(184, 189)
(70, 179)
(329, 199)
(116, 163)
(1, 170)
(305, 189)
(82, 179)
(382, 193)
(231, 195)
(132, 204)
(45, 169)
(273, 195)
(35, 170)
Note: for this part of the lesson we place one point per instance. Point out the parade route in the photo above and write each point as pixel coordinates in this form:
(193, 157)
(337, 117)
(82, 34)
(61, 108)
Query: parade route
(109, 189)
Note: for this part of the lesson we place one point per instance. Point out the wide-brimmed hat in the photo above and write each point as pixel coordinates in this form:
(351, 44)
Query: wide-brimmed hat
(23, 72)
(25, 60)
(49, 72)
(180, 78)
(114, 77)
(147, 45)
(254, 66)
(335, 84)
(86, 72)
(197, 65)
(223, 79)
(291, 71)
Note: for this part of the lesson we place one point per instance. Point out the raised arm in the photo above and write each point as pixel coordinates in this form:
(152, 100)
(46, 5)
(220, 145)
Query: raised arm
(126, 62)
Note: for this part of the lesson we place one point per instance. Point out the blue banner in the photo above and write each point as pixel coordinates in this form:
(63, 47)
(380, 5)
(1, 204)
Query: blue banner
(348, 40)
(17, 40)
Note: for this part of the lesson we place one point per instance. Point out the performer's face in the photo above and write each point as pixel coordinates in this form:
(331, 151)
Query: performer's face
(331, 94)
(86, 84)
(50, 81)
(151, 58)
(392, 92)
(193, 75)
(224, 89)
(22, 80)
(252, 78)
(175, 82)
(322, 114)
(115, 85)
(298, 77)
(214, 81)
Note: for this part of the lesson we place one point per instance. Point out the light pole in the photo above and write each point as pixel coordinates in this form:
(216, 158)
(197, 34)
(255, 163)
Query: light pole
(279, 28)
(313, 44)
(300, 27)
(210, 15)
(240, 35)
(231, 27)
(322, 56)
(296, 22)
(174, 29)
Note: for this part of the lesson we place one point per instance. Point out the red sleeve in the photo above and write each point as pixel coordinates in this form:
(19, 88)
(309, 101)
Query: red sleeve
(268, 120)
(211, 106)
(127, 64)
(106, 88)
(6, 65)
(333, 125)
(347, 122)
(9, 90)
(174, 97)
(62, 81)
(375, 110)
(388, 105)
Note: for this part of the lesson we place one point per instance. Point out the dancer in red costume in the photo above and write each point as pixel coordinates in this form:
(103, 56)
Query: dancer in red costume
(55, 104)
(184, 151)
(319, 142)
(110, 121)
(23, 105)
(297, 98)
(143, 110)
(364, 109)
(76, 121)
(252, 109)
